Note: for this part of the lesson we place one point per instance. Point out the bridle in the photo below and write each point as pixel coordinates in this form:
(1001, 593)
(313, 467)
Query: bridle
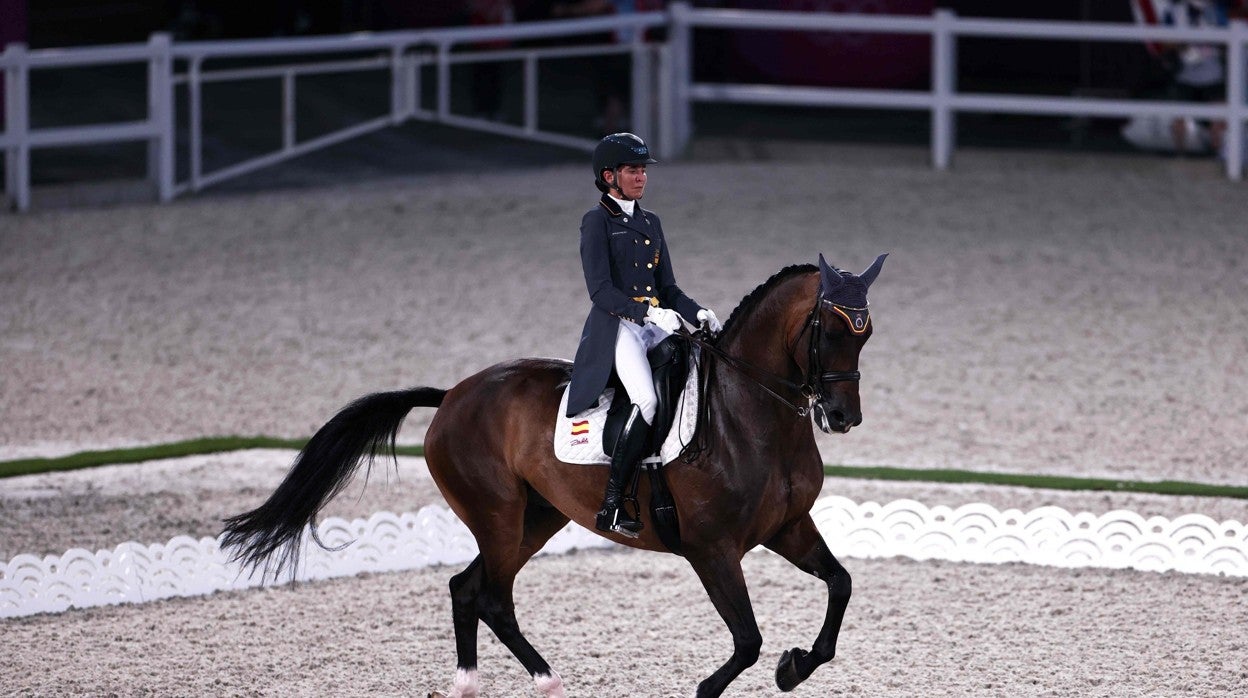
(816, 377)
(812, 387)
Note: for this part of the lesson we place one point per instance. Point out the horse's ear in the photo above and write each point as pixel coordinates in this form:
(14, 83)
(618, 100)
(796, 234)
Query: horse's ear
(872, 271)
(831, 279)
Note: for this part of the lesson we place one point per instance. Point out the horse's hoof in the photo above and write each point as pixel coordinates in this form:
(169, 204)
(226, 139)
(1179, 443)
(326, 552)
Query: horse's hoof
(788, 676)
(437, 694)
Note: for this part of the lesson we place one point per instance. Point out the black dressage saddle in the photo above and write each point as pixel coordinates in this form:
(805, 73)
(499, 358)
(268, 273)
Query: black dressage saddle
(669, 364)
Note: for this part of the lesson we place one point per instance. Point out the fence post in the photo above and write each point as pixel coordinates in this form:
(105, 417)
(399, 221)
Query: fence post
(1233, 142)
(944, 69)
(680, 35)
(289, 101)
(400, 109)
(530, 92)
(664, 146)
(195, 104)
(415, 63)
(160, 114)
(17, 127)
(643, 91)
(444, 81)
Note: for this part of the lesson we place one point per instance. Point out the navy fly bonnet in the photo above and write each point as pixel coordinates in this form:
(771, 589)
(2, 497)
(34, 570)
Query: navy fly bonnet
(846, 294)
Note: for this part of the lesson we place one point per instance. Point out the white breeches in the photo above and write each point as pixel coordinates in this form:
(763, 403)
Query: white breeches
(631, 343)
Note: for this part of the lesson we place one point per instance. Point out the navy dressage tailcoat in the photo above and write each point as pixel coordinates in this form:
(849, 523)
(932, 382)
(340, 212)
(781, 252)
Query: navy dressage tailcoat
(624, 257)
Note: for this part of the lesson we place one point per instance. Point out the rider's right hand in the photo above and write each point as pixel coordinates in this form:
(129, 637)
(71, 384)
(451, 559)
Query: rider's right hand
(666, 320)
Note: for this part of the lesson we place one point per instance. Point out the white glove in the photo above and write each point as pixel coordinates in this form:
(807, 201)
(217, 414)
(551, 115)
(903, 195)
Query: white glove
(666, 320)
(706, 315)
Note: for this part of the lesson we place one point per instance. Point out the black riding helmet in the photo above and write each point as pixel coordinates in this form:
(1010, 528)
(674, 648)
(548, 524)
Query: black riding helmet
(619, 149)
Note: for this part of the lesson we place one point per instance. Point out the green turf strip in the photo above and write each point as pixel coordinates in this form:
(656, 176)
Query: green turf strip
(177, 449)
(1052, 482)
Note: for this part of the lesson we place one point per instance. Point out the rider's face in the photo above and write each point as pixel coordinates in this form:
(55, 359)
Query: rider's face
(631, 180)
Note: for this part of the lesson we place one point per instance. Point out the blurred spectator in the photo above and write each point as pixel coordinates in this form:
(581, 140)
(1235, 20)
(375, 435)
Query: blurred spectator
(1236, 10)
(1198, 70)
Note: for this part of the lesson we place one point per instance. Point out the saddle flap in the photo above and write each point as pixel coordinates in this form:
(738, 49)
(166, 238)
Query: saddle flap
(669, 368)
(578, 439)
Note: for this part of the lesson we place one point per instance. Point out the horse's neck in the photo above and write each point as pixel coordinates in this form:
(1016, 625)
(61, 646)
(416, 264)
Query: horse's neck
(761, 434)
(761, 340)
(761, 337)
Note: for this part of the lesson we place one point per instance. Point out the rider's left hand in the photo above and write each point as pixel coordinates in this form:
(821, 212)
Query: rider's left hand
(707, 317)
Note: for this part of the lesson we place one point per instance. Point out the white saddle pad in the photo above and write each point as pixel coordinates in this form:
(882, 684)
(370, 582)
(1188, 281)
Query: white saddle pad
(579, 439)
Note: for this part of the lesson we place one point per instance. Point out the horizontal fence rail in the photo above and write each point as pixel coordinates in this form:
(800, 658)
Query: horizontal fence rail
(943, 100)
(403, 54)
(662, 85)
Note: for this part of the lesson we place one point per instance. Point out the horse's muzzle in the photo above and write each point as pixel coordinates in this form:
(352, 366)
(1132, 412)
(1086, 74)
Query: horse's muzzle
(831, 419)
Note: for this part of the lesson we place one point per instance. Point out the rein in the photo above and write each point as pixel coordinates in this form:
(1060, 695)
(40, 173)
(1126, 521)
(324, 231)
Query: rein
(812, 388)
(745, 366)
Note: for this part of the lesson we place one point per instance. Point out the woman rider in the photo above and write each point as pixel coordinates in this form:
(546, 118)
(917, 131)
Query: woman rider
(636, 303)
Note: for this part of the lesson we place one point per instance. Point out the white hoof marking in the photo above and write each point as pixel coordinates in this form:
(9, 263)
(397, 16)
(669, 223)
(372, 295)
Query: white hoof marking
(466, 685)
(550, 686)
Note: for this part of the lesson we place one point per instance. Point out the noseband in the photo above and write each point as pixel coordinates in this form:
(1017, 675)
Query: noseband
(812, 388)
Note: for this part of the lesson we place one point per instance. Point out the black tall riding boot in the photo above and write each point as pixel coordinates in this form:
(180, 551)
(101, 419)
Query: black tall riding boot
(630, 448)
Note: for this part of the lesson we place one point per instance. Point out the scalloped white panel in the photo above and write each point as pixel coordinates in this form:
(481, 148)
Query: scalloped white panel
(1046, 536)
(385, 542)
(134, 573)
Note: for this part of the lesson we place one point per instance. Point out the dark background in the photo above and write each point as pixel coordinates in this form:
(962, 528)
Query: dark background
(248, 112)
(1060, 65)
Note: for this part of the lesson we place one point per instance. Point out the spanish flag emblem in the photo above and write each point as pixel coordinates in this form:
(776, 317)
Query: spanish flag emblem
(581, 427)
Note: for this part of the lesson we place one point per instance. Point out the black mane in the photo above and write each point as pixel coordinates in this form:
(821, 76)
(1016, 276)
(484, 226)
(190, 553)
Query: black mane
(753, 298)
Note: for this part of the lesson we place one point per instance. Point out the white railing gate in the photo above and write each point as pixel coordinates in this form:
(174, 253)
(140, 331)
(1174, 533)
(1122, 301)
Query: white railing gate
(663, 85)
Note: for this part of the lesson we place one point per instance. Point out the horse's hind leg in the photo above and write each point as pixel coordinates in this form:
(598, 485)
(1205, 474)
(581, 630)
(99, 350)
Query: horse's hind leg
(495, 605)
(465, 587)
(801, 544)
(483, 592)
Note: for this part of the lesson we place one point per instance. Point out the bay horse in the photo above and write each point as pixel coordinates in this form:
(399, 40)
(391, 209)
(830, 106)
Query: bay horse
(790, 349)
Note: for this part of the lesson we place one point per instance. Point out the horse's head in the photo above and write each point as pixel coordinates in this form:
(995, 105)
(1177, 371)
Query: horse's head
(836, 330)
(815, 325)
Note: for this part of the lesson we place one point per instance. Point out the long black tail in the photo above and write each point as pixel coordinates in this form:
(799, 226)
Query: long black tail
(269, 536)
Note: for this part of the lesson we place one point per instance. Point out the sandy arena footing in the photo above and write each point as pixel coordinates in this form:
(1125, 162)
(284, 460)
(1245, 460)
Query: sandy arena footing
(1039, 313)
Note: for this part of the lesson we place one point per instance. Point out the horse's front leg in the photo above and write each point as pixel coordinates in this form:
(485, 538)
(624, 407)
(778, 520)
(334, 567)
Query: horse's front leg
(720, 572)
(800, 543)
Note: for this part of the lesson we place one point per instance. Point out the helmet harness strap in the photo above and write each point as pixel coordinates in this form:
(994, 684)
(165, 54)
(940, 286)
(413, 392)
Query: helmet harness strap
(614, 184)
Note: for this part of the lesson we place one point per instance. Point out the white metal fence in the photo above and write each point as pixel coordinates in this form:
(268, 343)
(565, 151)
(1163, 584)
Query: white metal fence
(404, 54)
(943, 100)
(663, 90)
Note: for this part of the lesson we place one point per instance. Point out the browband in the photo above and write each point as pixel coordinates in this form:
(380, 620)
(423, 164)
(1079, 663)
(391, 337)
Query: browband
(859, 319)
